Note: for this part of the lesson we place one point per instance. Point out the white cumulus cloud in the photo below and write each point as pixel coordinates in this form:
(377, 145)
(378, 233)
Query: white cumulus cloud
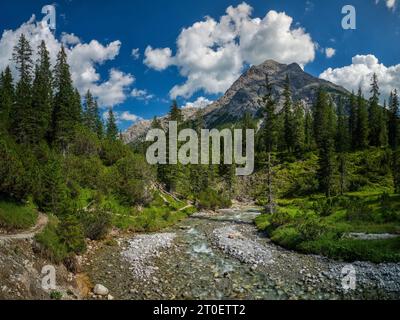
(124, 116)
(84, 58)
(330, 52)
(199, 103)
(360, 72)
(211, 54)
(135, 54)
(141, 94)
(158, 59)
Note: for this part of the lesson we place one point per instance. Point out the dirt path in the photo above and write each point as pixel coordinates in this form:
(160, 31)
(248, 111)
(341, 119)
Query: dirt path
(29, 234)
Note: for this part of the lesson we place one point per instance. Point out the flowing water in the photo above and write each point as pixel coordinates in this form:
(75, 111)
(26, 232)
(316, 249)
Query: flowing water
(223, 256)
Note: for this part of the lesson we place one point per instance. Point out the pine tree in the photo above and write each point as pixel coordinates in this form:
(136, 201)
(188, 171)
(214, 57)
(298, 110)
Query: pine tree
(362, 122)
(270, 138)
(175, 113)
(67, 113)
(308, 131)
(396, 170)
(288, 117)
(299, 129)
(377, 125)
(42, 95)
(394, 120)
(91, 117)
(342, 134)
(324, 124)
(111, 127)
(353, 122)
(325, 129)
(6, 98)
(22, 123)
(156, 123)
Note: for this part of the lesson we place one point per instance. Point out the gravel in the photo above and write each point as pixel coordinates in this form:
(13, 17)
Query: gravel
(231, 241)
(142, 249)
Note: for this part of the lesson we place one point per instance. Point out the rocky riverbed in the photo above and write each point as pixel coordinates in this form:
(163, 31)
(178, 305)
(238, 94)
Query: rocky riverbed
(222, 256)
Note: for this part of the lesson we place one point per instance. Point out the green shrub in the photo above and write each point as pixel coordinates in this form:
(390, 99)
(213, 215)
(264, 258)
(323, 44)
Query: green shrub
(311, 228)
(358, 210)
(56, 295)
(96, 223)
(16, 216)
(211, 200)
(50, 244)
(85, 143)
(133, 177)
(112, 151)
(288, 237)
(349, 250)
(13, 176)
(71, 234)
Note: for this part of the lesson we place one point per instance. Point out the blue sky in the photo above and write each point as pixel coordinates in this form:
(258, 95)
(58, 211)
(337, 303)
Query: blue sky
(143, 89)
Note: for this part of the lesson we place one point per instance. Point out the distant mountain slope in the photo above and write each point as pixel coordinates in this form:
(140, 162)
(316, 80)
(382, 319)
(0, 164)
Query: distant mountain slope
(245, 93)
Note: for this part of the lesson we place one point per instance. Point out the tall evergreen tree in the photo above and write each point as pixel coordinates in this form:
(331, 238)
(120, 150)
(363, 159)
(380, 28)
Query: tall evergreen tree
(308, 131)
(270, 139)
(353, 121)
(394, 120)
(42, 95)
(377, 125)
(325, 128)
(111, 127)
(298, 128)
(22, 123)
(175, 113)
(91, 116)
(67, 113)
(396, 170)
(362, 122)
(288, 116)
(342, 134)
(6, 98)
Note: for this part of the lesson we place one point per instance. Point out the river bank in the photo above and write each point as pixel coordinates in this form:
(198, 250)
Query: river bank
(223, 256)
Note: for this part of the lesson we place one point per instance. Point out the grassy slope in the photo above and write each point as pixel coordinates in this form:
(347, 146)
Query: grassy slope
(14, 216)
(303, 227)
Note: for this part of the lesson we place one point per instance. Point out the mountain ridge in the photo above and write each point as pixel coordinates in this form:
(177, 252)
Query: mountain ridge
(244, 94)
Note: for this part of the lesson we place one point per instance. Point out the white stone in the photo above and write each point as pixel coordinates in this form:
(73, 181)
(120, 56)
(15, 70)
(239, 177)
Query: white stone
(101, 290)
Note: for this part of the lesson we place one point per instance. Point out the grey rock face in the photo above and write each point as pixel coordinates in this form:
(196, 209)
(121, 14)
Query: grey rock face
(245, 93)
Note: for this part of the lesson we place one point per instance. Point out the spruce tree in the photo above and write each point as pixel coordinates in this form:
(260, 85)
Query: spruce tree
(288, 117)
(308, 131)
(353, 122)
(299, 129)
(6, 98)
(111, 126)
(394, 120)
(342, 134)
(270, 138)
(175, 113)
(362, 122)
(396, 170)
(42, 95)
(22, 115)
(325, 129)
(91, 116)
(377, 125)
(67, 113)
